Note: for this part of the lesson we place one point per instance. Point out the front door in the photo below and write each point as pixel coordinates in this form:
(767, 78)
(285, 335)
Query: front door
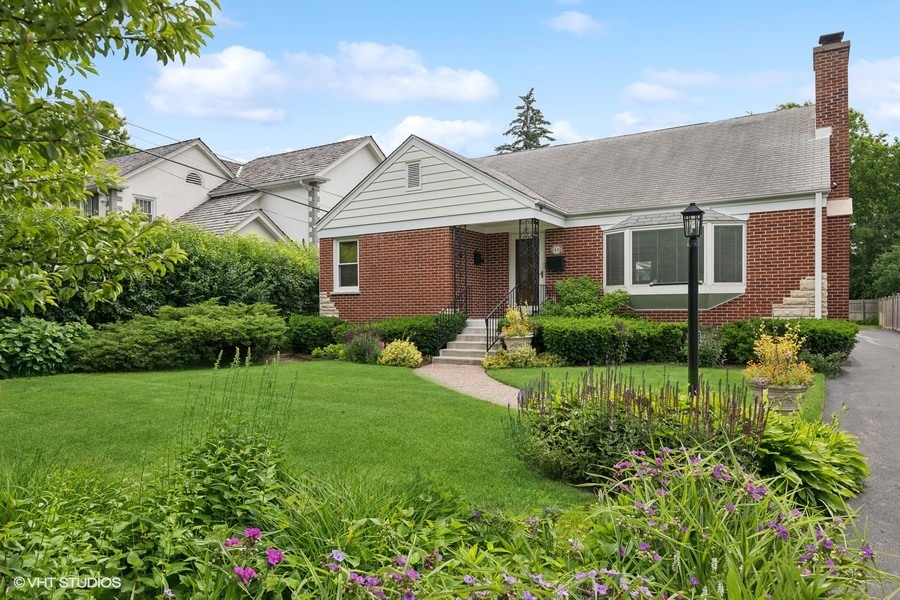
(527, 270)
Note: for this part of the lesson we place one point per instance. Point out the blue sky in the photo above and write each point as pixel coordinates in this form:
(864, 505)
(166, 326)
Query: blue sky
(281, 75)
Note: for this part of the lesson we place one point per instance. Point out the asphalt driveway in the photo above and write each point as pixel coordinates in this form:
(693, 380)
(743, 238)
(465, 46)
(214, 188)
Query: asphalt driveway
(870, 388)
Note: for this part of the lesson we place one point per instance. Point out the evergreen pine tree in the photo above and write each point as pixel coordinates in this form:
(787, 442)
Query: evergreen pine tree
(528, 129)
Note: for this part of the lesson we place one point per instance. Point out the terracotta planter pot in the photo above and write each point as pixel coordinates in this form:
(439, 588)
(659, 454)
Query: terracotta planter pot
(783, 397)
(517, 341)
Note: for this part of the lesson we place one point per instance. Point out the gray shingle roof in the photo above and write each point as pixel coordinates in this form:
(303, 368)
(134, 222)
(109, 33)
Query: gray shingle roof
(136, 160)
(670, 218)
(216, 214)
(761, 155)
(287, 166)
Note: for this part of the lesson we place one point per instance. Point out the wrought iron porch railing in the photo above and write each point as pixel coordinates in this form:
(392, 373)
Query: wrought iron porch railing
(444, 319)
(492, 321)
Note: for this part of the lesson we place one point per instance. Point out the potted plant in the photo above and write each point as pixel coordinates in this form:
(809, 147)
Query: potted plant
(778, 371)
(517, 330)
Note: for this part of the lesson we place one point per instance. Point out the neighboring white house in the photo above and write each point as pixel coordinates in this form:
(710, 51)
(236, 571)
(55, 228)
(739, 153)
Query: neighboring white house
(164, 181)
(274, 196)
(285, 194)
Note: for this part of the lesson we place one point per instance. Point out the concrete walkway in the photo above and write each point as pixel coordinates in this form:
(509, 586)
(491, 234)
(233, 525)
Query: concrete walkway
(471, 381)
(870, 388)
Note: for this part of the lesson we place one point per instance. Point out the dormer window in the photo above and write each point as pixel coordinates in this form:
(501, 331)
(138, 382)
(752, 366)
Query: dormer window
(413, 175)
(194, 178)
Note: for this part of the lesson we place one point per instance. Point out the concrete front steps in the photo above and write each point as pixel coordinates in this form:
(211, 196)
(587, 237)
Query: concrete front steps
(468, 347)
(801, 304)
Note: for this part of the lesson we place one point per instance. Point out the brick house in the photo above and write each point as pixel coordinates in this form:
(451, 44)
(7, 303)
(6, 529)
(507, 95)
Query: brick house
(429, 228)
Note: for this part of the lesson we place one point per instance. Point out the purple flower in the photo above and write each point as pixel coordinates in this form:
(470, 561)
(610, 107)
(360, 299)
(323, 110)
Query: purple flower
(412, 574)
(338, 556)
(694, 580)
(469, 579)
(827, 544)
(509, 579)
(274, 556)
(562, 592)
(409, 596)
(168, 593)
(334, 568)
(528, 596)
(781, 531)
(252, 534)
(867, 552)
(232, 542)
(245, 574)
(400, 560)
(644, 546)
(729, 507)
(602, 589)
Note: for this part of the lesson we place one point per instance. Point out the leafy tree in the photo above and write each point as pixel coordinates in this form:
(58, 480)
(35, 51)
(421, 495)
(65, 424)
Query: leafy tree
(875, 189)
(528, 129)
(885, 274)
(116, 140)
(49, 144)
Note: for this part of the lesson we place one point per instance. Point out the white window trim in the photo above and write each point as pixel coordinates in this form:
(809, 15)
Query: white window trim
(709, 256)
(708, 286)
(337, 271)
(138, 199)
(407, 164)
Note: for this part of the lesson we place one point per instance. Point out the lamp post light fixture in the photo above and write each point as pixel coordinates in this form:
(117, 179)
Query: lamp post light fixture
(693, 229)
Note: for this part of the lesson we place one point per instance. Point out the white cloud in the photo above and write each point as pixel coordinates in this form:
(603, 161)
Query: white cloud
(651, 92)
(877, 84)
(454, 135)
(380, 73)
(630, 122)
(237, 83)
(666, 86)
(576, 22)
(565, 133)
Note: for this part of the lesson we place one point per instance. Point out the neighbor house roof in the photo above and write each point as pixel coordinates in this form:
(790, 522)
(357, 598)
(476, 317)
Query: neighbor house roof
(136, 160)
(762, 155)
(219, 215)
(287, 166)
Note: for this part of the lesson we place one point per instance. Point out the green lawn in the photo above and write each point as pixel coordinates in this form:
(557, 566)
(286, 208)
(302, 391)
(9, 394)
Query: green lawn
(657, 374)
(340, 419)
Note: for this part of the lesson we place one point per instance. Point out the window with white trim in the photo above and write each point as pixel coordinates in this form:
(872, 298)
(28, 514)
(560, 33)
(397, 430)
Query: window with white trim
(146, 206)
(413, 175)
(346, 269)
(91, 206)
(638, 259)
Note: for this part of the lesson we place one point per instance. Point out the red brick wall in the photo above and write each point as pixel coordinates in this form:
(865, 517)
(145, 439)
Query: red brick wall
(582, 249)
(488, 282)
(401, 273)
(832, 110)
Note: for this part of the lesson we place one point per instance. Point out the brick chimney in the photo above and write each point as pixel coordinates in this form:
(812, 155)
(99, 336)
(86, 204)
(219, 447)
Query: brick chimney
(830, 62)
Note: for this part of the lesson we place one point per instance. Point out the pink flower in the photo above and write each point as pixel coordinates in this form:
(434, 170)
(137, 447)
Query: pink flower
(232, 542)
(245, 574)
(252, 534)
(274, 556)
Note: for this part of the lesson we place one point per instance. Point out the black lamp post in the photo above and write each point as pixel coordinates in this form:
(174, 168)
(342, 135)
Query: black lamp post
(693, 229)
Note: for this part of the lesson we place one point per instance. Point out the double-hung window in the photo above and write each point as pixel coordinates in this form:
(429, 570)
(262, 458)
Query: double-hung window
(346, 265)
(146, 206)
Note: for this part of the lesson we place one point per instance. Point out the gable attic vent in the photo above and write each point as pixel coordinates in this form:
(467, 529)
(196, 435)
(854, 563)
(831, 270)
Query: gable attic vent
(194, 178)
(413, 175)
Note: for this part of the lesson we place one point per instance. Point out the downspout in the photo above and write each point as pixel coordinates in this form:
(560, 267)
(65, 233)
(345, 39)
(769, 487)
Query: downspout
(818, 256)
(313, 212)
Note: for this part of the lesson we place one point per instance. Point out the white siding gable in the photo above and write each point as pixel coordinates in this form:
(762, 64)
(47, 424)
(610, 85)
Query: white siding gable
(448, 193)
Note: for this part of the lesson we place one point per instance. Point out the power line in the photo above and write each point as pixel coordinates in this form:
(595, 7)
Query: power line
(192, 167)
(169, 137)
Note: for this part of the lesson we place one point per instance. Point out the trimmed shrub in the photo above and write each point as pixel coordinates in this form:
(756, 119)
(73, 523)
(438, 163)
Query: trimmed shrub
(233, 268)
(597, 340)
(420, 330)
(823, 336)
(31, 346)
(575, 305)
(521, 358)
(179, 337)
(401, 353)
(306, 333)
(817, 460)
(829, 366)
